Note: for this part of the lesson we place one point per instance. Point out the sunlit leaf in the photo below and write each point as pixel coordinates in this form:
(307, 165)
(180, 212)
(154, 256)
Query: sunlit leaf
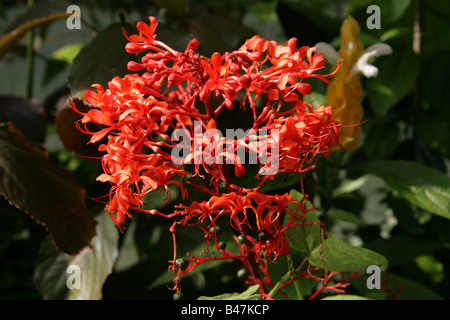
(252, 293)
(50, 274)
(94, 263)
(421, 185)
(345, 297)
(337, 255)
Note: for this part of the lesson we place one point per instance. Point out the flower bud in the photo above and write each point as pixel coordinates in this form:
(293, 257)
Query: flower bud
(182, 263)
(239, 170)
(245, 81)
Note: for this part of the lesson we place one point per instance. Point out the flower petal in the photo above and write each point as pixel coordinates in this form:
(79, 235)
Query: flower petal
(362, 64)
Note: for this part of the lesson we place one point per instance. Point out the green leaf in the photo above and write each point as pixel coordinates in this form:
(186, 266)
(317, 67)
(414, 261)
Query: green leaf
(252, 293)
(396, 33)
(337, 255)
(411, 290)
(397, 77)
(60, 60)
(305, 237)
(45, 190)
(96, 262)
(345, 297)
(102, 59)
(346, 216)
(425, 187)
(392, 10)
(50, 274)
(405, 288)
(432, 267)
(291, 262)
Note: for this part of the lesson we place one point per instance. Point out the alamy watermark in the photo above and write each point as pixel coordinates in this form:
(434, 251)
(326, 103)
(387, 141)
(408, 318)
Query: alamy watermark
(374, 21)
(74, 21)
(374, 280)
(74, 277)
(235, 147)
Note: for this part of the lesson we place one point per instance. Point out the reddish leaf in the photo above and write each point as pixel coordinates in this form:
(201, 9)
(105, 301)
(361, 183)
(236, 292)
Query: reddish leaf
(26, 115)
(73, 139)
(48, 192)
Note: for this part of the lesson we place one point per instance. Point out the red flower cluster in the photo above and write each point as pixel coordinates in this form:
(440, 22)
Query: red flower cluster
(142, 115)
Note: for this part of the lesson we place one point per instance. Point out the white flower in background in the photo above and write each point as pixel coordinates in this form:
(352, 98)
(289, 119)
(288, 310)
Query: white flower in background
(362, 65)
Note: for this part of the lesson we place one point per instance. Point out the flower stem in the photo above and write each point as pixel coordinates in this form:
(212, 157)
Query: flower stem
(289, 275)
(30, 59)
(298, 290)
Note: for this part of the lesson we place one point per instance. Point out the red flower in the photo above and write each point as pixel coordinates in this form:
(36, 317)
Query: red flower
(255, 213)
(185, 91)
(306, 134)
(145, 39)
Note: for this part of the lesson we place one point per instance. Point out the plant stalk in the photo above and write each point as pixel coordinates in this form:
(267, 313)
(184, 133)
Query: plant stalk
(30, 59)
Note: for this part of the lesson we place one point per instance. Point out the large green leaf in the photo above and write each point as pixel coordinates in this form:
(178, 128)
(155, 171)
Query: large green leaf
(94, 264)
(345, 297)
(330, 253)
(50, 274)
(32, 182)
(421, 185)
(252, 293)
(337, 255)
